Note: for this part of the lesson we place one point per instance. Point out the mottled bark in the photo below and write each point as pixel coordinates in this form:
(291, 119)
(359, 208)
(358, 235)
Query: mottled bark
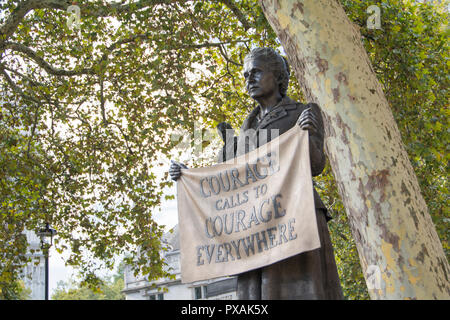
(393, 230)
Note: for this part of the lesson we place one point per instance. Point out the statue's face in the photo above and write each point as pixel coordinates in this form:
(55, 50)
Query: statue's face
(260, 82)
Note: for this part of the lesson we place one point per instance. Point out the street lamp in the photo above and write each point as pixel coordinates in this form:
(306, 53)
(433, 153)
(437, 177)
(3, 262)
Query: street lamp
(46, 236)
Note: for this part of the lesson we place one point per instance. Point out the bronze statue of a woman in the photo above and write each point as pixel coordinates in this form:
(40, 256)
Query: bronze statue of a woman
(309, 275)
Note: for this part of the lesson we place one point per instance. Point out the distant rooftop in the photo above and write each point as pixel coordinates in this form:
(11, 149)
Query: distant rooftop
(172, 238)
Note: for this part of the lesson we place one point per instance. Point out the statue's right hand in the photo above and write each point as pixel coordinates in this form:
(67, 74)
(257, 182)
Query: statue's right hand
(222, 128)
(175, 169)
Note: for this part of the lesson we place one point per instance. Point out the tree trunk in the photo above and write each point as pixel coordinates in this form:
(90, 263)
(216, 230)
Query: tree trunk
(389, 218)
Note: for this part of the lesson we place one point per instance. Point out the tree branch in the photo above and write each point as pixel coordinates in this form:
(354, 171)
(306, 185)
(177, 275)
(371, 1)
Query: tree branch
(102, 102)
(33, 130)
(119, 7)
(227, 59)
(44, 64)
(14, 19)
(109, 9)
(87, 9)
(239, 15)
(61, 72)
(15, 87)
(31, 81)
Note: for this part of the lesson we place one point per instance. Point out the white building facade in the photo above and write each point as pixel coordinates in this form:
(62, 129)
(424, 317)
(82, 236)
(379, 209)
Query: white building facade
(33, 274)
(139, 288)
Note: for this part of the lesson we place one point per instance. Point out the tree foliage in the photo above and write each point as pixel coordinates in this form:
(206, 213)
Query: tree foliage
(86, 115)
(109, 289)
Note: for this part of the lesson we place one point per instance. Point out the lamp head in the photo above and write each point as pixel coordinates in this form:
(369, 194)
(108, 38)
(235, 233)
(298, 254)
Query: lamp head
(46, 235)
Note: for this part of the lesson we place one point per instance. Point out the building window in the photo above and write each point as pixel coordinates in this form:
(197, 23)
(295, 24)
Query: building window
(199, 292)
(159, 296)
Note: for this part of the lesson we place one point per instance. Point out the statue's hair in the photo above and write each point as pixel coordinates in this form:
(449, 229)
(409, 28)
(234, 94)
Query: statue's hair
(276, 63)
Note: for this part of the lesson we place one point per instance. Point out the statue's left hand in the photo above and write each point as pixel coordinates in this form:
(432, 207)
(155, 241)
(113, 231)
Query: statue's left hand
(308, 121)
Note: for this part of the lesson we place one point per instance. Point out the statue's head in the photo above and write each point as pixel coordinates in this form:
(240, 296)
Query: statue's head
(271, 61)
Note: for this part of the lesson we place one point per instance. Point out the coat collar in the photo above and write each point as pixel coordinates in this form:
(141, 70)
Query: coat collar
(277, 112)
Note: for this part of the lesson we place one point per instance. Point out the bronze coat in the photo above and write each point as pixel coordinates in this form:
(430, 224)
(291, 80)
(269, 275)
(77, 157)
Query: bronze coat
(283, 117)
(310, 275)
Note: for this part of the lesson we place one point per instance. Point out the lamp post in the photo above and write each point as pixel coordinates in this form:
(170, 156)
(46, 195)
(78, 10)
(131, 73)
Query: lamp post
(46, 236)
